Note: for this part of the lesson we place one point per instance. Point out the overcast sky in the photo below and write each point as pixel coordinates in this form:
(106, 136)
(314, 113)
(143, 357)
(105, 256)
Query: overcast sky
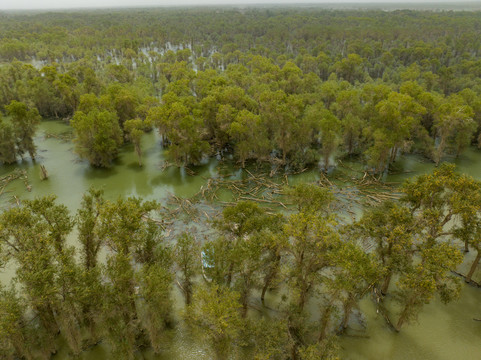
(54, 4)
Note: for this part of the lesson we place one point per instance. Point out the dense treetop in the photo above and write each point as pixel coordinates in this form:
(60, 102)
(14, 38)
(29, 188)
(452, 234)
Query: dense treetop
(285, 86)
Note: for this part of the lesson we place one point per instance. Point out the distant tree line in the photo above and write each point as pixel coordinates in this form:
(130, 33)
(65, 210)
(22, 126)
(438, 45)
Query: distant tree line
(291, 87)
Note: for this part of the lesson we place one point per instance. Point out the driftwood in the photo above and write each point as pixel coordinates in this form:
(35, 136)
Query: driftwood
(470, 282)
(64, 137)
(17, 174)
(43, 173)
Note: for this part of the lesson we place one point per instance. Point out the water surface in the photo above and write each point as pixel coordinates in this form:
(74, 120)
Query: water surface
(444, 332)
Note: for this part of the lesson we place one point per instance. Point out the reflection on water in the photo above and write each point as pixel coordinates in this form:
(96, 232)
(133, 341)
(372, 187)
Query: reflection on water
(443, 332)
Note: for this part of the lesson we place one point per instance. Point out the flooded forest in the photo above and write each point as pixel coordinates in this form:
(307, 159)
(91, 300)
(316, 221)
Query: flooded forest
(286, 183)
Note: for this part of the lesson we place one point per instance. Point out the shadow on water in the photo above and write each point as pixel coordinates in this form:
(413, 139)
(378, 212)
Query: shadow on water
(92, 173)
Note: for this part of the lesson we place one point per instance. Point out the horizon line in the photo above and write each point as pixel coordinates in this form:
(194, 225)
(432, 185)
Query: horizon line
(291, 3)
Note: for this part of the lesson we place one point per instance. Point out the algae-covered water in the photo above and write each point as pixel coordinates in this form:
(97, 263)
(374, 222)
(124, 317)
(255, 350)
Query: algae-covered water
(444, 332)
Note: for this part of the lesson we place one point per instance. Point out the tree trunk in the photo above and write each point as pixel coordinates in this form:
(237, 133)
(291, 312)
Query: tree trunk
(264, 290)
(349, 145)
(302, 298)
(139, 154)
(229, 275)
(402, 318)
(47, 318)
(244, 299)
(473, 267)
(188, 293)
(325, 321)
(326, 163)
(400, 323)
(385, 284)
(270, 276)
(348, 305)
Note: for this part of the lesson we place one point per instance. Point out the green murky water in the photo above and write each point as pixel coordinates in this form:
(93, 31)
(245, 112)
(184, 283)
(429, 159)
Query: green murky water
(443, 332)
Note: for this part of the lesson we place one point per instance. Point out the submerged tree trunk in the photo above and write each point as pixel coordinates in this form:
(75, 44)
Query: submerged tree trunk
(473, 267)
(348, 305)
(138, 150)
(326, 162)
(303, 297)
(188, 292)
(403, 317)
(325, 322)
(385, 284)
(270, 276)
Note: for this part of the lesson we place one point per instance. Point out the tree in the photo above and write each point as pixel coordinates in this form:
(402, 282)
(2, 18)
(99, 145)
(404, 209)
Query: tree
(354, 273)
(215, 311)
(123, 224)
(330, 128)
(25, 123)
(310, 198)
(8, 151)
(249, 136)
(350, 68)
(187, 258)
(327, 349)
(392, 128)
(120, 321)
(97, 136)
(134, 129)
(392, 228)
(273, 247)
(34, 236)
(281, 112)
(311, 239)
(15, 340)
(182, 131)
(88, 222)
(418, 286)
(155, 282)
(58, 223)
(454, 127)
(437, 198)
(269, 338)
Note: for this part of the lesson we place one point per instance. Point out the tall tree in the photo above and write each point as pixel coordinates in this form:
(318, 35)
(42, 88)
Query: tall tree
(25, 122)
(97, 136)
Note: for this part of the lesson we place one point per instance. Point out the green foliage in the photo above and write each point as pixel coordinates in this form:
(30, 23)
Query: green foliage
(121, 326)
(181, 131)
(134, 129)
(87, 223)
(421, 282)
(155, 289)
(215, 311)
(310, 198)
(122, 225)
(311, 239)
(97, 136)
(249, 136)
(24, 124)
(8, 151)
(187, 259)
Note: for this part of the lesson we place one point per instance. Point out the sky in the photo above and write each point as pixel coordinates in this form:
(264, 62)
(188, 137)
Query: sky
(67, 4)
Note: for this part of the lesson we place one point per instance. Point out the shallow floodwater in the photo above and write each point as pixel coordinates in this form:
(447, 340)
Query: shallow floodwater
(443, 332)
